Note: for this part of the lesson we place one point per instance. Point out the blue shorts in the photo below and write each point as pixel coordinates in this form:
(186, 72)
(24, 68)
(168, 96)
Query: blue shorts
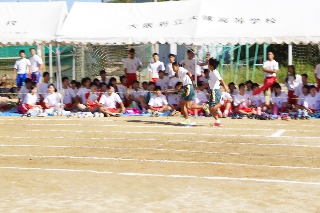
(215, 97)
(188, 93)
(35, 78)
(21, 78)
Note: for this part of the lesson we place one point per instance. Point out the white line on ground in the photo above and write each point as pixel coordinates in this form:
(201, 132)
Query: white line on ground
(166, 176)
(278, 133)
(158, 149)
(158, 161)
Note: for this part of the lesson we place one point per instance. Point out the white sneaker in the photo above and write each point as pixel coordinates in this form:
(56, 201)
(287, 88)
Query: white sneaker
(101, 115)
(96, 114)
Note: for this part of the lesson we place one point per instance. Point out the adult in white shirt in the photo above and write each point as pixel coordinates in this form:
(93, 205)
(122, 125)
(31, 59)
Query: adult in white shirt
(69, 98)
(104, 78)
(279, 98)
(270, 69)
(259, 99)
(53, 99)
(36, 65)
(163, 81)
(242, 102)
(214, 82)
(154, 67)
(292, 81)
(312, 103)
(158, 102)
(108, 103)
(317, 75)
(189, 64)
(43, 86)
(131, 65)
(22, 68)
(169, 70)
(24, 90)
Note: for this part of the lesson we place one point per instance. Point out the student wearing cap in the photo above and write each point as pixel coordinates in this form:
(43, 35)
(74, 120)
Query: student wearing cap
(131, 65)
(154, 67)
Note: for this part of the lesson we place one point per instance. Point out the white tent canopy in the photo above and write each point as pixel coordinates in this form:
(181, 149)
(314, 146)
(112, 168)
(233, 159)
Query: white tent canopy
(31, 22)
(193, 22)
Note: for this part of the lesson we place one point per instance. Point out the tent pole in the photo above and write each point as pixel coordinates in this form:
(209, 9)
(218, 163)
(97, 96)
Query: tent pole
(290, 54)
(254, 62)
(231, 61)
(82, 62)
(195, 74)
(50, 62)
(58, 74)
(237, 64)
(74, 64)
(247, 61)
(265, 46)
(222, 61)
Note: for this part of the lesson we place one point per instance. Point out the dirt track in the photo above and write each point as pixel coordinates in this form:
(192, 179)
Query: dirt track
(153, 165)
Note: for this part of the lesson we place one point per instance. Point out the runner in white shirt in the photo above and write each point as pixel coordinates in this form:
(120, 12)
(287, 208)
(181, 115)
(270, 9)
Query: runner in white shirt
(109, 101)
(53, 98)
(242, 101)
(104, 78)
(158, 103)
(131, 66)
(69, 98)
(292, 81)
(154, 67)
(169, 70)
(317, 76)
(279, 98)
(312, 103)
(22, 68)
(189, 64)
(270, 69)
(36, 65)
(163, 81)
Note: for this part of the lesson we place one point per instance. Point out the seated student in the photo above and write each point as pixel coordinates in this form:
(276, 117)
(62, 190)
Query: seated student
(97, 82)
(145, 86)
(174, 98)
(43, 87)
(69, 98)
(158, 102)
(137, 96)
(312, 103)
(92, 97)
(113, 83)
(279, 100)
(298, 89)
(303, 97)
(226, 103)
(257, 100)
(82, 91)
(173, 81)
(104, 78)
(242, 101)
(30, 101)
(249, 87)
(4, 101)
(292, 81)
(149, 93)
(103, 87)
(232, 89)
(24, 90)
(206, 76)
(53, 99)
(73, 86)
(163, 81)
(123, 90)
(199, 102)
(108, 103)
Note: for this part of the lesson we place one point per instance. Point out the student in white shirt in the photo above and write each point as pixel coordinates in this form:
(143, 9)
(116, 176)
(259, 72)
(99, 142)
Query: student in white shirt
(83, 90)
(232, 89)
(137, 96)
(189, 64)
(24, 90)
(226, 103)
(30, 101)
(173, 81)
(270, 68)
(52, 100)
(36, 65)
(158, 102)
(73, 86)
(279, 99)
(249, 87)
(22, 68)
(69, 98)
(242, 102)
(131, 65)
(317, 76)
(292, 81)
(174, 98)
(205, 77)
(163, 81)
(259, 99)
(154, 67)
(109, 101)
(303, 97)
(298, 89)
(169, 71)
(104, 78)
(43, 86)
(312, 103)
(123, 90)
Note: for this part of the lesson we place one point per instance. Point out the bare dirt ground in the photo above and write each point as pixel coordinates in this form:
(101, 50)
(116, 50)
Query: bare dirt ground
(142, 164)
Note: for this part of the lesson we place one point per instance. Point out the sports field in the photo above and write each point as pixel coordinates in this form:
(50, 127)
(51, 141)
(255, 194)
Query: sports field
(144, 164)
